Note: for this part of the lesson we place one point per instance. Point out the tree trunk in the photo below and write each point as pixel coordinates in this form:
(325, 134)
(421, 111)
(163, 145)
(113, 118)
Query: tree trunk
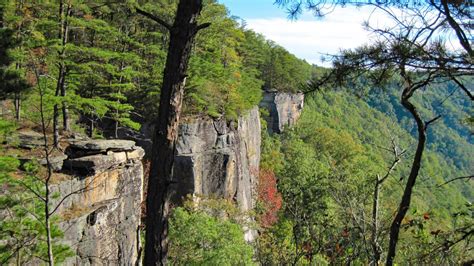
(56, 125)
(60, 86)
(182, 35)
(17, 106)
(463, 39)
(65, 111)
(375, 229)
(46, 199)
(48, 229)
(116, 126)
(91, 127)
(415, 168)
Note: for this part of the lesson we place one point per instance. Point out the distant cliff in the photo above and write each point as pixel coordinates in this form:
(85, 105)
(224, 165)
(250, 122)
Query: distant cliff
(284, 109)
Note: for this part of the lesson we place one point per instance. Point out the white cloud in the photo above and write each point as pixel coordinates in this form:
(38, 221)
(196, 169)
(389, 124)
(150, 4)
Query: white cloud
(309, 37)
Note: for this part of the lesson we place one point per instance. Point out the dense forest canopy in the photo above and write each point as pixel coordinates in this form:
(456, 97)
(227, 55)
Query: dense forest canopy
(328, 187)
(123, 55)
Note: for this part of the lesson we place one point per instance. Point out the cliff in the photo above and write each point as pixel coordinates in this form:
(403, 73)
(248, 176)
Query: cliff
(284, 109)
(219, 158)
(101, 221)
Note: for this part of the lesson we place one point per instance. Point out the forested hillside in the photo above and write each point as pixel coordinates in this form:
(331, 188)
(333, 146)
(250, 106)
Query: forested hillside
(328, 190)
(452, 135)
(330, 161)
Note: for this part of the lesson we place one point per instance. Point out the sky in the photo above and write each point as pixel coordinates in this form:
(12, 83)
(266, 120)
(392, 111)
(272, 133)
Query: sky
(307, 37)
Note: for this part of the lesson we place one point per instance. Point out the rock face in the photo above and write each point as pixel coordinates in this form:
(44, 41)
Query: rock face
(219, 158)
(284, 109)
(101, 221)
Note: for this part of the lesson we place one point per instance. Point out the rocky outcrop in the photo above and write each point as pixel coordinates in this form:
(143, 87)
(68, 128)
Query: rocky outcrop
(85, 147)
(27, 140)
(102, 216)
(220, 158)
(284, 109)
(94, 156)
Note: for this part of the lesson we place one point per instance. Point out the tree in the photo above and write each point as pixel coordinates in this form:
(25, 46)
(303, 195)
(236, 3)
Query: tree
(416, 51)
(268, 197)
(30, 222)
(63, 33)
(23, 230)
(182, 35)
(419, 61)
(11, 81)
(208, 231)
(379, 180)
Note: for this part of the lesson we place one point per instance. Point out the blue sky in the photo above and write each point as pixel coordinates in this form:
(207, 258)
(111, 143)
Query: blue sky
(308, 37)
(254, 8)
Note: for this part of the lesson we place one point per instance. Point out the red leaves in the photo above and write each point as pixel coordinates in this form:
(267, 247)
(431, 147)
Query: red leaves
(345, 233)
(426, 216)
(269, 196)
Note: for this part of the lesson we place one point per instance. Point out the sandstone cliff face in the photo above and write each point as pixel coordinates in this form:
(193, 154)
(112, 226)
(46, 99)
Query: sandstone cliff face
(219, 158)
(101, 222)
(284, 109)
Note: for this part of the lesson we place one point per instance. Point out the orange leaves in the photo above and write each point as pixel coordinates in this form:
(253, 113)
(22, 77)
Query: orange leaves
(88, 17)
(237, 75)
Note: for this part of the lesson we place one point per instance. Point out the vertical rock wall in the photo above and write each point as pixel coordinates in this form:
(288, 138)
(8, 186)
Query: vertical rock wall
(219, 158)
(101, 222)
(284, 109)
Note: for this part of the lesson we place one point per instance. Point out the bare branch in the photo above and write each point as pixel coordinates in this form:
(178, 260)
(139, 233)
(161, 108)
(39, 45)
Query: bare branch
(33, 191)
(457, 178)
(431, 121)
(203, 26)
(463, 39)
(84, 189)
(154, 18)
(466, 90)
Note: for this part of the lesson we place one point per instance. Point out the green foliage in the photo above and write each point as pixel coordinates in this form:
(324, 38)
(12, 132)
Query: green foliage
(330, 160)
(6, 129)
(276, 245)
(10, 78)
(113, 61)
(282, 71)
(23, 231)
(271, 155)
(208, 232)
(449, 136)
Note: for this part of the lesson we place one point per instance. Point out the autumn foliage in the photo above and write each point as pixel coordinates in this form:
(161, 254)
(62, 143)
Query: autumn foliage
(269, 197)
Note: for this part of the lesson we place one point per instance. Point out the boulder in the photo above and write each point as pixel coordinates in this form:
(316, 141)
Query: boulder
(55, 161)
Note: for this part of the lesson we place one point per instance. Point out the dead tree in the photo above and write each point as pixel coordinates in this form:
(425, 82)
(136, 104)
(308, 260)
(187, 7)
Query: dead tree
(376, 247)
